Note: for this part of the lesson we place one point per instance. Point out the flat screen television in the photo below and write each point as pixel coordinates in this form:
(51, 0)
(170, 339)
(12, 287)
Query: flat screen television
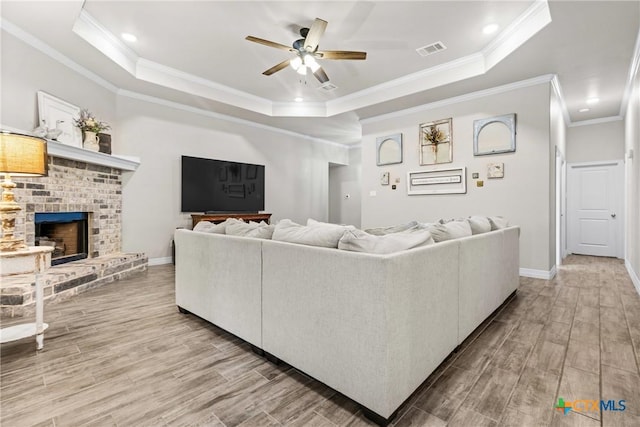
(211, 186)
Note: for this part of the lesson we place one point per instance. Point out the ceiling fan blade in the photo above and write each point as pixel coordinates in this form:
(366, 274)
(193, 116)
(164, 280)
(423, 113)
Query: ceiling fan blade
(321, 75)
(269, 43)
(341, 54)
(277, 68)
(315, 32)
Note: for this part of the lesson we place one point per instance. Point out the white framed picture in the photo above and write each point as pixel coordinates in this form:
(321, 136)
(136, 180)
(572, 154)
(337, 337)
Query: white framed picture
(442, 181)
(495, 170)
(58, 113)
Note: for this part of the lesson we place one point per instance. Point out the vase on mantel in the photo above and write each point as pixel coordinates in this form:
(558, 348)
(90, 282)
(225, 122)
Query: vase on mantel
(91, 141)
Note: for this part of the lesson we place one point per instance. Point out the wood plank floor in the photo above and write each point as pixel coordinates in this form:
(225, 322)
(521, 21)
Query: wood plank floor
(122, 355)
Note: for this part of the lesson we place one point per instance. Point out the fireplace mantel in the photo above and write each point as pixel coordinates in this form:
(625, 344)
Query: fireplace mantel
(64, 151)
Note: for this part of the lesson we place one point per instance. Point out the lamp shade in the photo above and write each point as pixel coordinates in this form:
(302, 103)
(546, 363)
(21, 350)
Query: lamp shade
(23, 155)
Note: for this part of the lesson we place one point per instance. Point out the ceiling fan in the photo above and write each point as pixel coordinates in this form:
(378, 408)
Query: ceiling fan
(306, 50)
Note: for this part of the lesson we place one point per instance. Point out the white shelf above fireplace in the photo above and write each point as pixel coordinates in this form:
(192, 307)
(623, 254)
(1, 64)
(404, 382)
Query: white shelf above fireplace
(126, 163)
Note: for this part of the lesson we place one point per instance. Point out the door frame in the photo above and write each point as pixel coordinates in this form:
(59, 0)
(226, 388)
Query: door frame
(620, 214)
(561, 207)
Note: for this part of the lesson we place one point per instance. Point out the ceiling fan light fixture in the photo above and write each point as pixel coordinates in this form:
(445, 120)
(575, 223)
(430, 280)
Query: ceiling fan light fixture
(302, 70)
(296, 63)
(311, 62)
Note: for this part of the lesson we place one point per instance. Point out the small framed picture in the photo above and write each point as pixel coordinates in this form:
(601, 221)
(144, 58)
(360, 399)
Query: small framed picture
(54, 113)
(384, 179)
(495, 170)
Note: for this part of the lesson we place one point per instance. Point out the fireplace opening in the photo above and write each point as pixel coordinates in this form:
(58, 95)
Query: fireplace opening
(66, 232)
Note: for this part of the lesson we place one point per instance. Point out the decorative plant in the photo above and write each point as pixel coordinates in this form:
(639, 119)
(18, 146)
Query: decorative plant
(88, 123)
(435, 135)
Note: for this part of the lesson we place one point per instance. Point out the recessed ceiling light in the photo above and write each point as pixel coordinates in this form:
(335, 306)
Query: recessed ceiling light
(298, 99)
(490, 29)
(583, 110)
(592, 101)
(129, 37)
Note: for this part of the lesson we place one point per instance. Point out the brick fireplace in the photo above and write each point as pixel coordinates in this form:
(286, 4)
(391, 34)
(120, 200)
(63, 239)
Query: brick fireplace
(76, 192)
(74, 186)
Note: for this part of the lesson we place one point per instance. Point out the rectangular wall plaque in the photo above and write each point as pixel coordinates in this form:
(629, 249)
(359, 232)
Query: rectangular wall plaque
(444, 181)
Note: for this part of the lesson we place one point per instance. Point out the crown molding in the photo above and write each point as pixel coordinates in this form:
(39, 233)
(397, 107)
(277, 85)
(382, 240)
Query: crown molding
(211, 114)
(462, 98)
(41, 46)
(595, 121)
(89, 29)
(57, 56)
(536, 17)
(555, 84)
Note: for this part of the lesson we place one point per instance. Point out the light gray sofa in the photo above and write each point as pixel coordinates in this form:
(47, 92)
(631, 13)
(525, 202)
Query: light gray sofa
(372, 327)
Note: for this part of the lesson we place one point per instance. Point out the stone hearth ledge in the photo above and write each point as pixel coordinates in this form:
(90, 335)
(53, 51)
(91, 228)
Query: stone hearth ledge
(17, 293)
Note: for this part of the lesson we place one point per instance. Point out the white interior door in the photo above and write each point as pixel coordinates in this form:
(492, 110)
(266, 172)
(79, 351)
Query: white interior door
(594, 198)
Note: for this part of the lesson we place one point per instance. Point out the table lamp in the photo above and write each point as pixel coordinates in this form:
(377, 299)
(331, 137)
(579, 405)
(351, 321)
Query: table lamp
(20, 155)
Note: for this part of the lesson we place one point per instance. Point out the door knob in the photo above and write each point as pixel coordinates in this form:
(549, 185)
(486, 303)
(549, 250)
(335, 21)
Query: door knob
(613, 215)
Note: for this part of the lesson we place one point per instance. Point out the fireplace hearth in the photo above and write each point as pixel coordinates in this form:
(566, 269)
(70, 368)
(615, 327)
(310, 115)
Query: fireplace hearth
(66, 232)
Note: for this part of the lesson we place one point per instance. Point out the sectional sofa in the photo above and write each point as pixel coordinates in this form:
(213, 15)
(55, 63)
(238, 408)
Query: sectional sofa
(372, 327)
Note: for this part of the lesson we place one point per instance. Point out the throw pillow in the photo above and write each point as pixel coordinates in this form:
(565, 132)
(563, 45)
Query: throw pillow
(314, 223)
(381, 231)
(324, 236)
(479, 224)
(361, 241)
(209, 227)
(450, 230)
(251, 229)
(498, 222)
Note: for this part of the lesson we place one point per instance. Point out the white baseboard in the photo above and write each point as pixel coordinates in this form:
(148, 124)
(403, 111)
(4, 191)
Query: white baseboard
(634, 276)
(538, 274)
(160, 261)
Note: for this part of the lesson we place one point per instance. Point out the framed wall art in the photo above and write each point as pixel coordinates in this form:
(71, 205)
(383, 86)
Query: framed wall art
(495, 170)
(444, 181)
(436, 143)
(54, 112)
(389, 150)
(494, 135)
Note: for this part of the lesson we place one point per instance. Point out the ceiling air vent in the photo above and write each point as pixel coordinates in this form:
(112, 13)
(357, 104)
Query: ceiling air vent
(430, 49)
(328, 87)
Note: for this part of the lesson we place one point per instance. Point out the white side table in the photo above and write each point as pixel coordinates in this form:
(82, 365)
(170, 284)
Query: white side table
(36, 260)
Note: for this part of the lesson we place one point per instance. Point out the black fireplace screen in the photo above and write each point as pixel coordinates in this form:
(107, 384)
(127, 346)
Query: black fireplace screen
(66, 232)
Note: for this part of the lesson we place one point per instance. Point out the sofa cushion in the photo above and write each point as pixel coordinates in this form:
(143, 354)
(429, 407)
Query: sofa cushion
(361, 241)
(209, 227)
(479, 224)
(259, 230)
(381, 231)
(450, 230)
(314, 223)
(319, 235)
(498, 222)
(445, 220)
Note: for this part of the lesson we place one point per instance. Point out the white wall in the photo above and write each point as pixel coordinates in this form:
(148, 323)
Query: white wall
(296, 167)
(522, 195)
(345, 188)
(632, 178)
(26, 71)
(596, 142)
